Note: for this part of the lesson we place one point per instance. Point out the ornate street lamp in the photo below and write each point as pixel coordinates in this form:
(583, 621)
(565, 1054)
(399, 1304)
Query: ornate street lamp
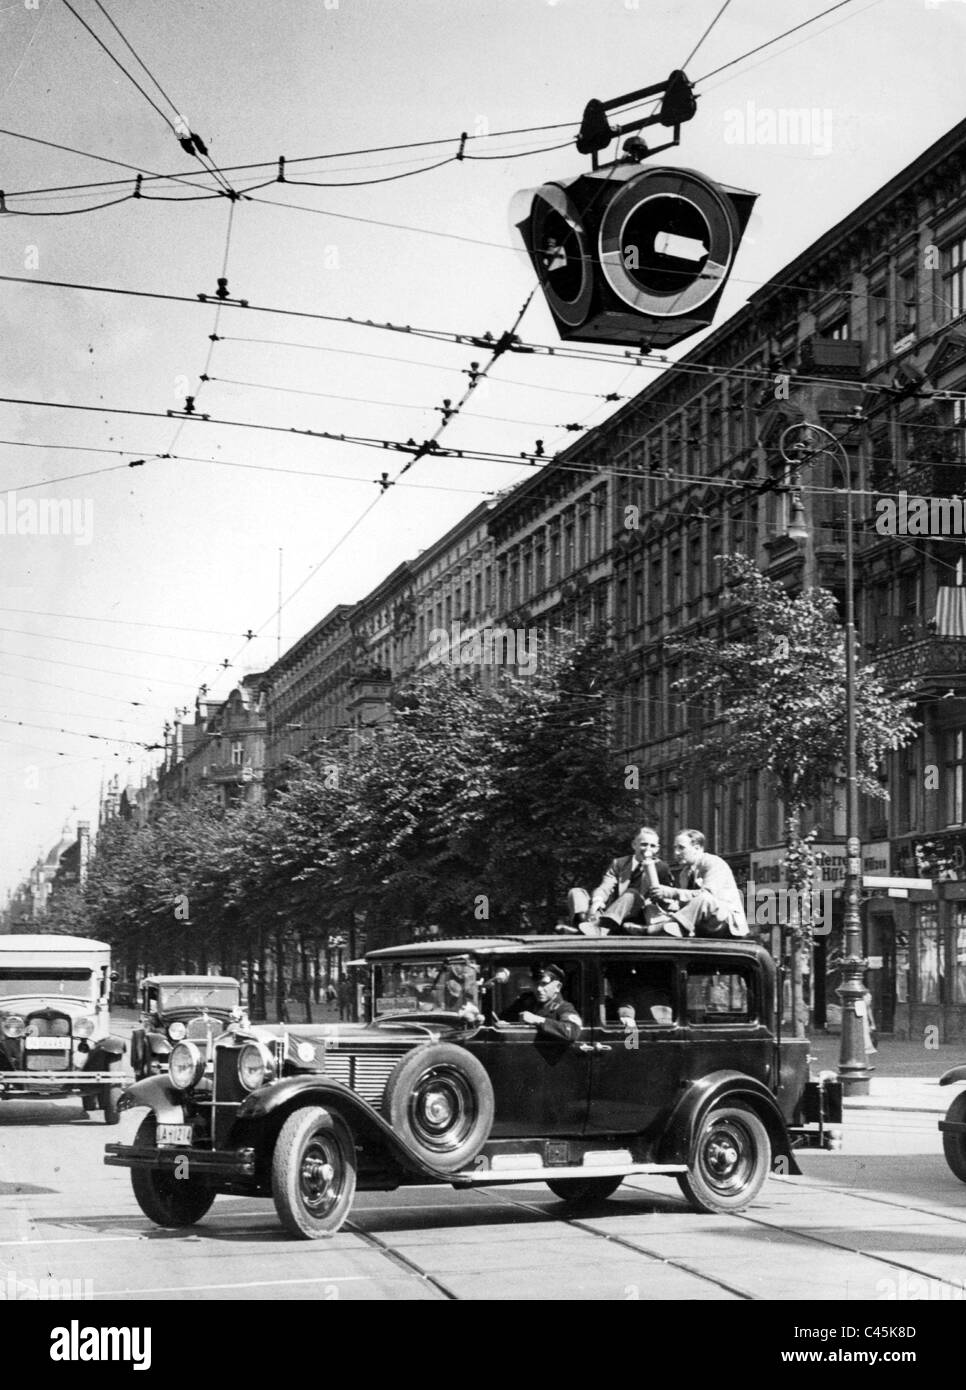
(801, 444)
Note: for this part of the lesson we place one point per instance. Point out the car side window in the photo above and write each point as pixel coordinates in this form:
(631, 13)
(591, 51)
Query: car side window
(645, 986)
(521, 982)
(719, 992)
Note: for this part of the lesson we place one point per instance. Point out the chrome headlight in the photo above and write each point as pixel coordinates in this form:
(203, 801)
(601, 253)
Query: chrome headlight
(177, 1030)
(186, 1066)
(83, 1027)
(13, 1027)
(255, 1066)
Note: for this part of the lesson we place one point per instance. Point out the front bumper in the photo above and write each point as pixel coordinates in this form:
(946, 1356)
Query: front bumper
(218, 1163)
(31, 1083)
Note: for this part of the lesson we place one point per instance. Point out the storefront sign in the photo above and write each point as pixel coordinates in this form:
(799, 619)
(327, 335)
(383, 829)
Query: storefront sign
(875, 858)
(767, 869)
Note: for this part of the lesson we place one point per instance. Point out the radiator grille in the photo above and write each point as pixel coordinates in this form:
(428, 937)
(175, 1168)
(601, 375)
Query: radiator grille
(366, 1075)
(47, 1061)
(42, 1027)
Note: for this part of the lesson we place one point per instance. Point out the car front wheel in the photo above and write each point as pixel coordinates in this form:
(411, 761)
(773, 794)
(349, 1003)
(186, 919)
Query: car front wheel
(313, 1173)
(581, 1192)
(730, 1160)
(110, 1096)
(166, 1199)
(954, 1145)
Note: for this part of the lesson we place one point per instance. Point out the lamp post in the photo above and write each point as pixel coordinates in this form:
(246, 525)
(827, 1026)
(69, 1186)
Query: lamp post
(799, 444)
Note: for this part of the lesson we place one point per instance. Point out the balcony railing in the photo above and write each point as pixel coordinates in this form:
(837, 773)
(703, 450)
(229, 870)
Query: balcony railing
(906, 650)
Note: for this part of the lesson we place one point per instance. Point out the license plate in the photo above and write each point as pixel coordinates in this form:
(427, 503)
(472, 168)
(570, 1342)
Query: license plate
(33, 1044)
(174, 1134)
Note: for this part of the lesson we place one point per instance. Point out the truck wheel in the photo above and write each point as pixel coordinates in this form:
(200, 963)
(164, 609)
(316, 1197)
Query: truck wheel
(581, 1192)
(164, 1198)
(954, 1145)
(439, 1100)
(313, 1173)
(730, 1160)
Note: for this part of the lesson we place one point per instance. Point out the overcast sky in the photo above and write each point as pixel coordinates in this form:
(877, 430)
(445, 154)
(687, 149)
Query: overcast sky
(106, 631)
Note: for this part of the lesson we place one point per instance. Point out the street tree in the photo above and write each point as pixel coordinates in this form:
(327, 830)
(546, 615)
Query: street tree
(774, 697)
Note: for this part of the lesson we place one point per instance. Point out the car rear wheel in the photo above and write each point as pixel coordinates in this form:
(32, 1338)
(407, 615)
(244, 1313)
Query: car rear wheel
(730, 1160)
(313, 1173)
(581, 1192)
(954, 1145)
(439, 1100)
(163, 1197)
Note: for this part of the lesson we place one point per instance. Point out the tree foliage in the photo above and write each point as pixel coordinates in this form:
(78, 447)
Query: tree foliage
(473, 808)
(781, 691)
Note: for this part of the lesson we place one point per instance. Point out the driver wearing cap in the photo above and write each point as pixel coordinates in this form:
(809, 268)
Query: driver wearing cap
(545, 1008)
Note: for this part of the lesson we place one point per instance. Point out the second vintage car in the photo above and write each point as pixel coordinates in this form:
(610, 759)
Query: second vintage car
(676, 1067)
(174, 1007)
(55, 1026)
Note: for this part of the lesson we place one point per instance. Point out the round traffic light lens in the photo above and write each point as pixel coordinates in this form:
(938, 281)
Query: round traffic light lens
(665, 244)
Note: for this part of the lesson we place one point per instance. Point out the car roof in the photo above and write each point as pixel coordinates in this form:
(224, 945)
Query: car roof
(45, 941)
(189, 980)
(565, 944)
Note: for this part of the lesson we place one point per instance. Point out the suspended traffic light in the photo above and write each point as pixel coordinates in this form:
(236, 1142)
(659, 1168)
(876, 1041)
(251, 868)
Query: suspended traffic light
(631, 255)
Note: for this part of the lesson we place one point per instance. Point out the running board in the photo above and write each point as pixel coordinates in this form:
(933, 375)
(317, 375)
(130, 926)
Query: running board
(537, 1171)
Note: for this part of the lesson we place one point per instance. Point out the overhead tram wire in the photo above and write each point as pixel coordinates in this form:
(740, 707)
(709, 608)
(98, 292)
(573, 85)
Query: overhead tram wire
(416, 450)
(167, 457)
(427, 449)
(407, 361)
(199, 151)
(115, 622)
(770, 42)
(103, 159)
(564, 350)
(292, 160)
(707, 31)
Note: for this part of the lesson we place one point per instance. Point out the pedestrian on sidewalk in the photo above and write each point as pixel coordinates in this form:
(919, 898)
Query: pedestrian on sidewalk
(868, 1024)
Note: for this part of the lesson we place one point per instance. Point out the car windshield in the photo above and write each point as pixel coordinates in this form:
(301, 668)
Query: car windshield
(174, 997)
(23, 984)
(425, 986)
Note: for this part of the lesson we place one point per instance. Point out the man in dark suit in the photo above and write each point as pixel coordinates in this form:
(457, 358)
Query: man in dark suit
(621, 902)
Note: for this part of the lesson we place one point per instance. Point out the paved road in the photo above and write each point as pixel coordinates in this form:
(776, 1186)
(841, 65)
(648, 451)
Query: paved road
(884, 1220)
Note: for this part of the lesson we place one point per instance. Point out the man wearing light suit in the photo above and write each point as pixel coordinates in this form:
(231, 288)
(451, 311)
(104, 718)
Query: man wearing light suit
(707, 901)
(621, 901)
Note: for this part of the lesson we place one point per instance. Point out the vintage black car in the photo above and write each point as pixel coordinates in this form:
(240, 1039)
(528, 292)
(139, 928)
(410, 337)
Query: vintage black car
(954, 1125)
(174, 1007)
(677, 1069)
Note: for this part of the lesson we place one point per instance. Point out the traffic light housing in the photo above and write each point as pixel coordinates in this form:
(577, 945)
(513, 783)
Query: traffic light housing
(632, 255)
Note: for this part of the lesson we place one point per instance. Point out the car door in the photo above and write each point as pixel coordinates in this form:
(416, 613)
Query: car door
(638, 1065)
(541, 1085)
(725, 1017)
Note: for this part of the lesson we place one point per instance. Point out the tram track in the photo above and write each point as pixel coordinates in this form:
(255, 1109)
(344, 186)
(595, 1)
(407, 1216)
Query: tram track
(587, 1226)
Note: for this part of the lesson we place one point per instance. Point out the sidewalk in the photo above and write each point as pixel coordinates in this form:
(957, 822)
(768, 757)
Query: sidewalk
(905, 1075)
